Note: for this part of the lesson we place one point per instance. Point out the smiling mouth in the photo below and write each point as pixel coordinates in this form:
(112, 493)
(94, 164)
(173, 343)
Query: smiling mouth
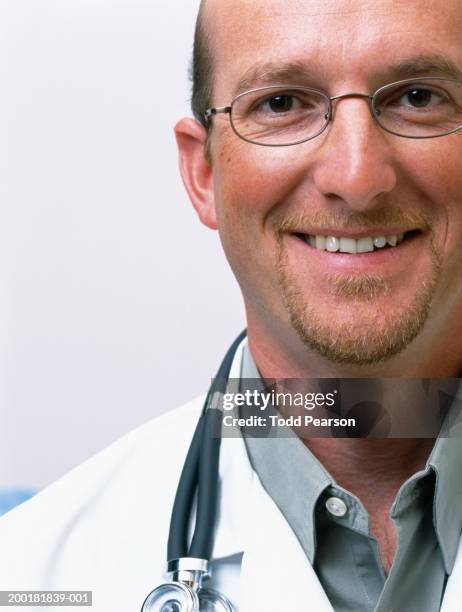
(352, 246)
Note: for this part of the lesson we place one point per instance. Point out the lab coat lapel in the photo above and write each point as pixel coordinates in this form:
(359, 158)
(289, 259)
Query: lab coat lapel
(275, 574)
(452, 600)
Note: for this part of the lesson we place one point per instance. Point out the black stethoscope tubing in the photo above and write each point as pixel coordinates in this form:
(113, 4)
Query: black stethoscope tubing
(200, 472)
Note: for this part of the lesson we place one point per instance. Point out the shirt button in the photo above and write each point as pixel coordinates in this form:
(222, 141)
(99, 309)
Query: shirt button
(336, 506)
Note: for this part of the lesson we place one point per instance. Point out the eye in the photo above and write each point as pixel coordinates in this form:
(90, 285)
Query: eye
(282, 103)
(420, 97)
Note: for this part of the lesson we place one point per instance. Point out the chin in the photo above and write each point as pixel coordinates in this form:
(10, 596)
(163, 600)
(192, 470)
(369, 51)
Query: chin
(362, 335)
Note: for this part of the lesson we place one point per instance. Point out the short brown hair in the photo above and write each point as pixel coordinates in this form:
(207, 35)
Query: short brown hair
(201, 69)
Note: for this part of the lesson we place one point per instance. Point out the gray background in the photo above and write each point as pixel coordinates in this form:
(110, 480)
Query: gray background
(115, 303)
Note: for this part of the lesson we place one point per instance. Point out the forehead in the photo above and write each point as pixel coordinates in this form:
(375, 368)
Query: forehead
(340, 40)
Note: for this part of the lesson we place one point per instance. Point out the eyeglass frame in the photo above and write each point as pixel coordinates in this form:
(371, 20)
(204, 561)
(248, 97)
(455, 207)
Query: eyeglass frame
(210, 112)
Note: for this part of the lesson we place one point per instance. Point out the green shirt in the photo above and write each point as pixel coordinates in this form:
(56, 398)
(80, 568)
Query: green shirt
(332, 524)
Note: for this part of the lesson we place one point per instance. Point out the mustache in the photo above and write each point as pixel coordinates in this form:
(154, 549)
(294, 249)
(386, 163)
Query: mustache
(337, 220)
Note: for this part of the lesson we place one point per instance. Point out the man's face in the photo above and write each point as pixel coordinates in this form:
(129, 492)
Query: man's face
(354, 180)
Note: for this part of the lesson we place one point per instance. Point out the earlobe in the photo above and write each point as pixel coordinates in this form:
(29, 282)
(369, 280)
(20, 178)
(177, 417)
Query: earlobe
(196, 170)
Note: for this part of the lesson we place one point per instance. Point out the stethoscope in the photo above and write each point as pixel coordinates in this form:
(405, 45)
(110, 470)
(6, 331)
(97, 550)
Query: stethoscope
(188, 565)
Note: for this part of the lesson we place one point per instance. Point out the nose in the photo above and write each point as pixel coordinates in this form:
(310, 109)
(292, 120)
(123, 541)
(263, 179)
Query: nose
(355, 161)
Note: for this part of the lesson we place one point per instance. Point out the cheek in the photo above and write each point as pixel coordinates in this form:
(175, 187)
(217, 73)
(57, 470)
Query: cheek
(436, 167)
(433, 171)
(251, 184)
(436, 172)
(251, 181)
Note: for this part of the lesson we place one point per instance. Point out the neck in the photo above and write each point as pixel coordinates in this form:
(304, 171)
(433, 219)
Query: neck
(372, 469)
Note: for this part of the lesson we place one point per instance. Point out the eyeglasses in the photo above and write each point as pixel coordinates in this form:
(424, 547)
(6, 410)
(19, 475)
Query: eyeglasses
(284, 115)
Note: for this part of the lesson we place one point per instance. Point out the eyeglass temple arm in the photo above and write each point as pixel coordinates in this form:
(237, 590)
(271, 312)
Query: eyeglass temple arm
(215, 111)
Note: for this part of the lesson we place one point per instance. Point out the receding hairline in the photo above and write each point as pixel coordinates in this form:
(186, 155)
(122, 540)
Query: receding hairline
(203, 16)
(204, 26)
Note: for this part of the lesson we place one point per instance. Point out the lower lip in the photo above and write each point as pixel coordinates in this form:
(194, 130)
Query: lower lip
(375, 261)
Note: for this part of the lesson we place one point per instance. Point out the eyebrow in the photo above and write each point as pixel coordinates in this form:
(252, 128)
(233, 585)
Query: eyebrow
(269, 73)
(421, 65)
(298, 72)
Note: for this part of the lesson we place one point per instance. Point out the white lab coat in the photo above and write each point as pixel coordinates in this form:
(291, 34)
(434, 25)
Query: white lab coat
(104, 528)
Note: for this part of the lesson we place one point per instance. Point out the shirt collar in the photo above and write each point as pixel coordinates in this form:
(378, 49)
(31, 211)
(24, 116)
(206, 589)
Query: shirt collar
(295, 464)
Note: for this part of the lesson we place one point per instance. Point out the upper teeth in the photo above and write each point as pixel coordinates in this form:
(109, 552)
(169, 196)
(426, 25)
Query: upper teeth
(351, 245)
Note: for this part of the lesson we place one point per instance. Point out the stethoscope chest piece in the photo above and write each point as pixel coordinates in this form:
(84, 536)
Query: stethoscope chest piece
(178, 597)
(171, 597)
(211, 601)
(185, 592)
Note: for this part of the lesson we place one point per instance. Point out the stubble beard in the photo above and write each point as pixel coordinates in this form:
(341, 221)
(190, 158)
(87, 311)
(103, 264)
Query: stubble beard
(366, 340)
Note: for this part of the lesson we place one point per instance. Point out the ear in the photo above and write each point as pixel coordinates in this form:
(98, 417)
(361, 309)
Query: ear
(195, 170)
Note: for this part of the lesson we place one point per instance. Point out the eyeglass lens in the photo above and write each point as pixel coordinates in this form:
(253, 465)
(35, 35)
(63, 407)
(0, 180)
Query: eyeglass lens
(278, 115)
